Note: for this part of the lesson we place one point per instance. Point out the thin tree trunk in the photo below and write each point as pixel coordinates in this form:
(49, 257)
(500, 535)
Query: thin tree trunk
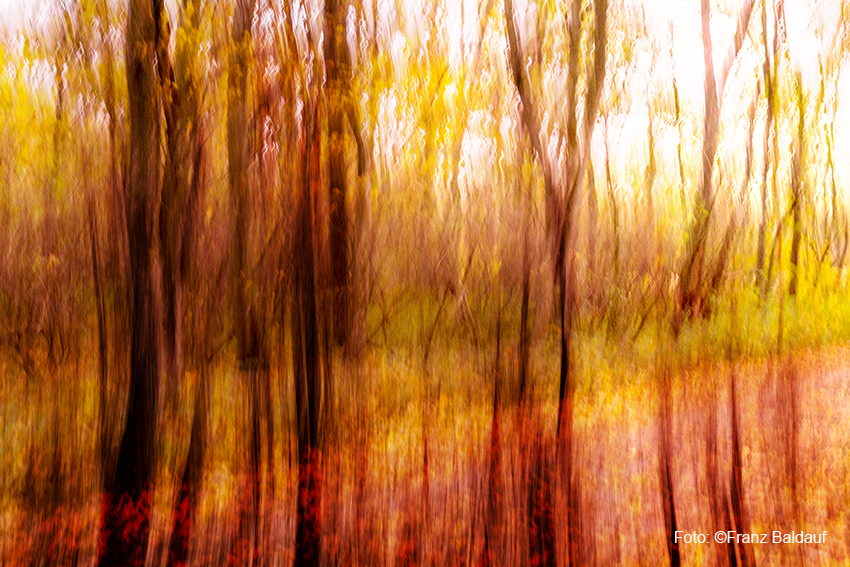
(170, 220)
(238, 161)
(595, 82)
(592, 271)
(668, 500)
(739, 510)
(102, 331)
(562, 215)
(797, 190)
(678, 110)
(770, 96)
(690, 296)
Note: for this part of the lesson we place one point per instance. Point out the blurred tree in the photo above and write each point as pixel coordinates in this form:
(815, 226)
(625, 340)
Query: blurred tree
(563, 195)
(700, 274)
(797, 185)
(251, 350)
(697, 281)
(127, 499)
(182, 194)
(770, 68)
(116, 274)
(338, 77)
(249, 347)
(307, 346)
(665, 454)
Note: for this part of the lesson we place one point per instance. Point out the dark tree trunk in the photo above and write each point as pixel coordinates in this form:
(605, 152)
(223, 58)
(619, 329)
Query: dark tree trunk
(524, 331)
(102, 332)
(336, 68)
(739, 511)
(238, 155)
(126, 505)
(541, 523)
(171, 218)
(668, 501)
(306, 347)
(566, 403)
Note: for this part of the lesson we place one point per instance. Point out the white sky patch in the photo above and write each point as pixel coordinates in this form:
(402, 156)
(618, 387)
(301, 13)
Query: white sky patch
(14, 12)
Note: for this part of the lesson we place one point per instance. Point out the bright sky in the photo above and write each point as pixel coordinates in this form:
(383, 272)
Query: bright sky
(808, 22)
(13, 12)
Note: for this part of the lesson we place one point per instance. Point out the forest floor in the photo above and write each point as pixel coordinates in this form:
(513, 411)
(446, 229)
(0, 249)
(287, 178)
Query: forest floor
(379, 496)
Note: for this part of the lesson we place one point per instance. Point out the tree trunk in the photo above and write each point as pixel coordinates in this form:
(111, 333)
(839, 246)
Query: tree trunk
(244, 317)
(182, 193)
(102, 331)
(615, 212)
(188, 497)
(251, 351)
(797, 190)
(541, 523)
(127, 500)
(770, 95)
(693, 292)
(668, 501)
(563, 204)
(678, 110)
(690, 290)
(337, 71)
(739, 511)
(171, 218)
(306, 347)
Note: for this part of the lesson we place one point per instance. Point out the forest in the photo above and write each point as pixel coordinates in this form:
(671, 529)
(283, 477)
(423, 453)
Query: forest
(424, 283)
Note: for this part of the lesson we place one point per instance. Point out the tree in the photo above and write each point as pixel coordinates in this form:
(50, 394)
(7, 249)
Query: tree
(338, 76)
(183, 189)
(309, 372)
(248, 316)
(769, 73)
(797, 186)
(563, 199)
(127, 499)
(697, 273)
